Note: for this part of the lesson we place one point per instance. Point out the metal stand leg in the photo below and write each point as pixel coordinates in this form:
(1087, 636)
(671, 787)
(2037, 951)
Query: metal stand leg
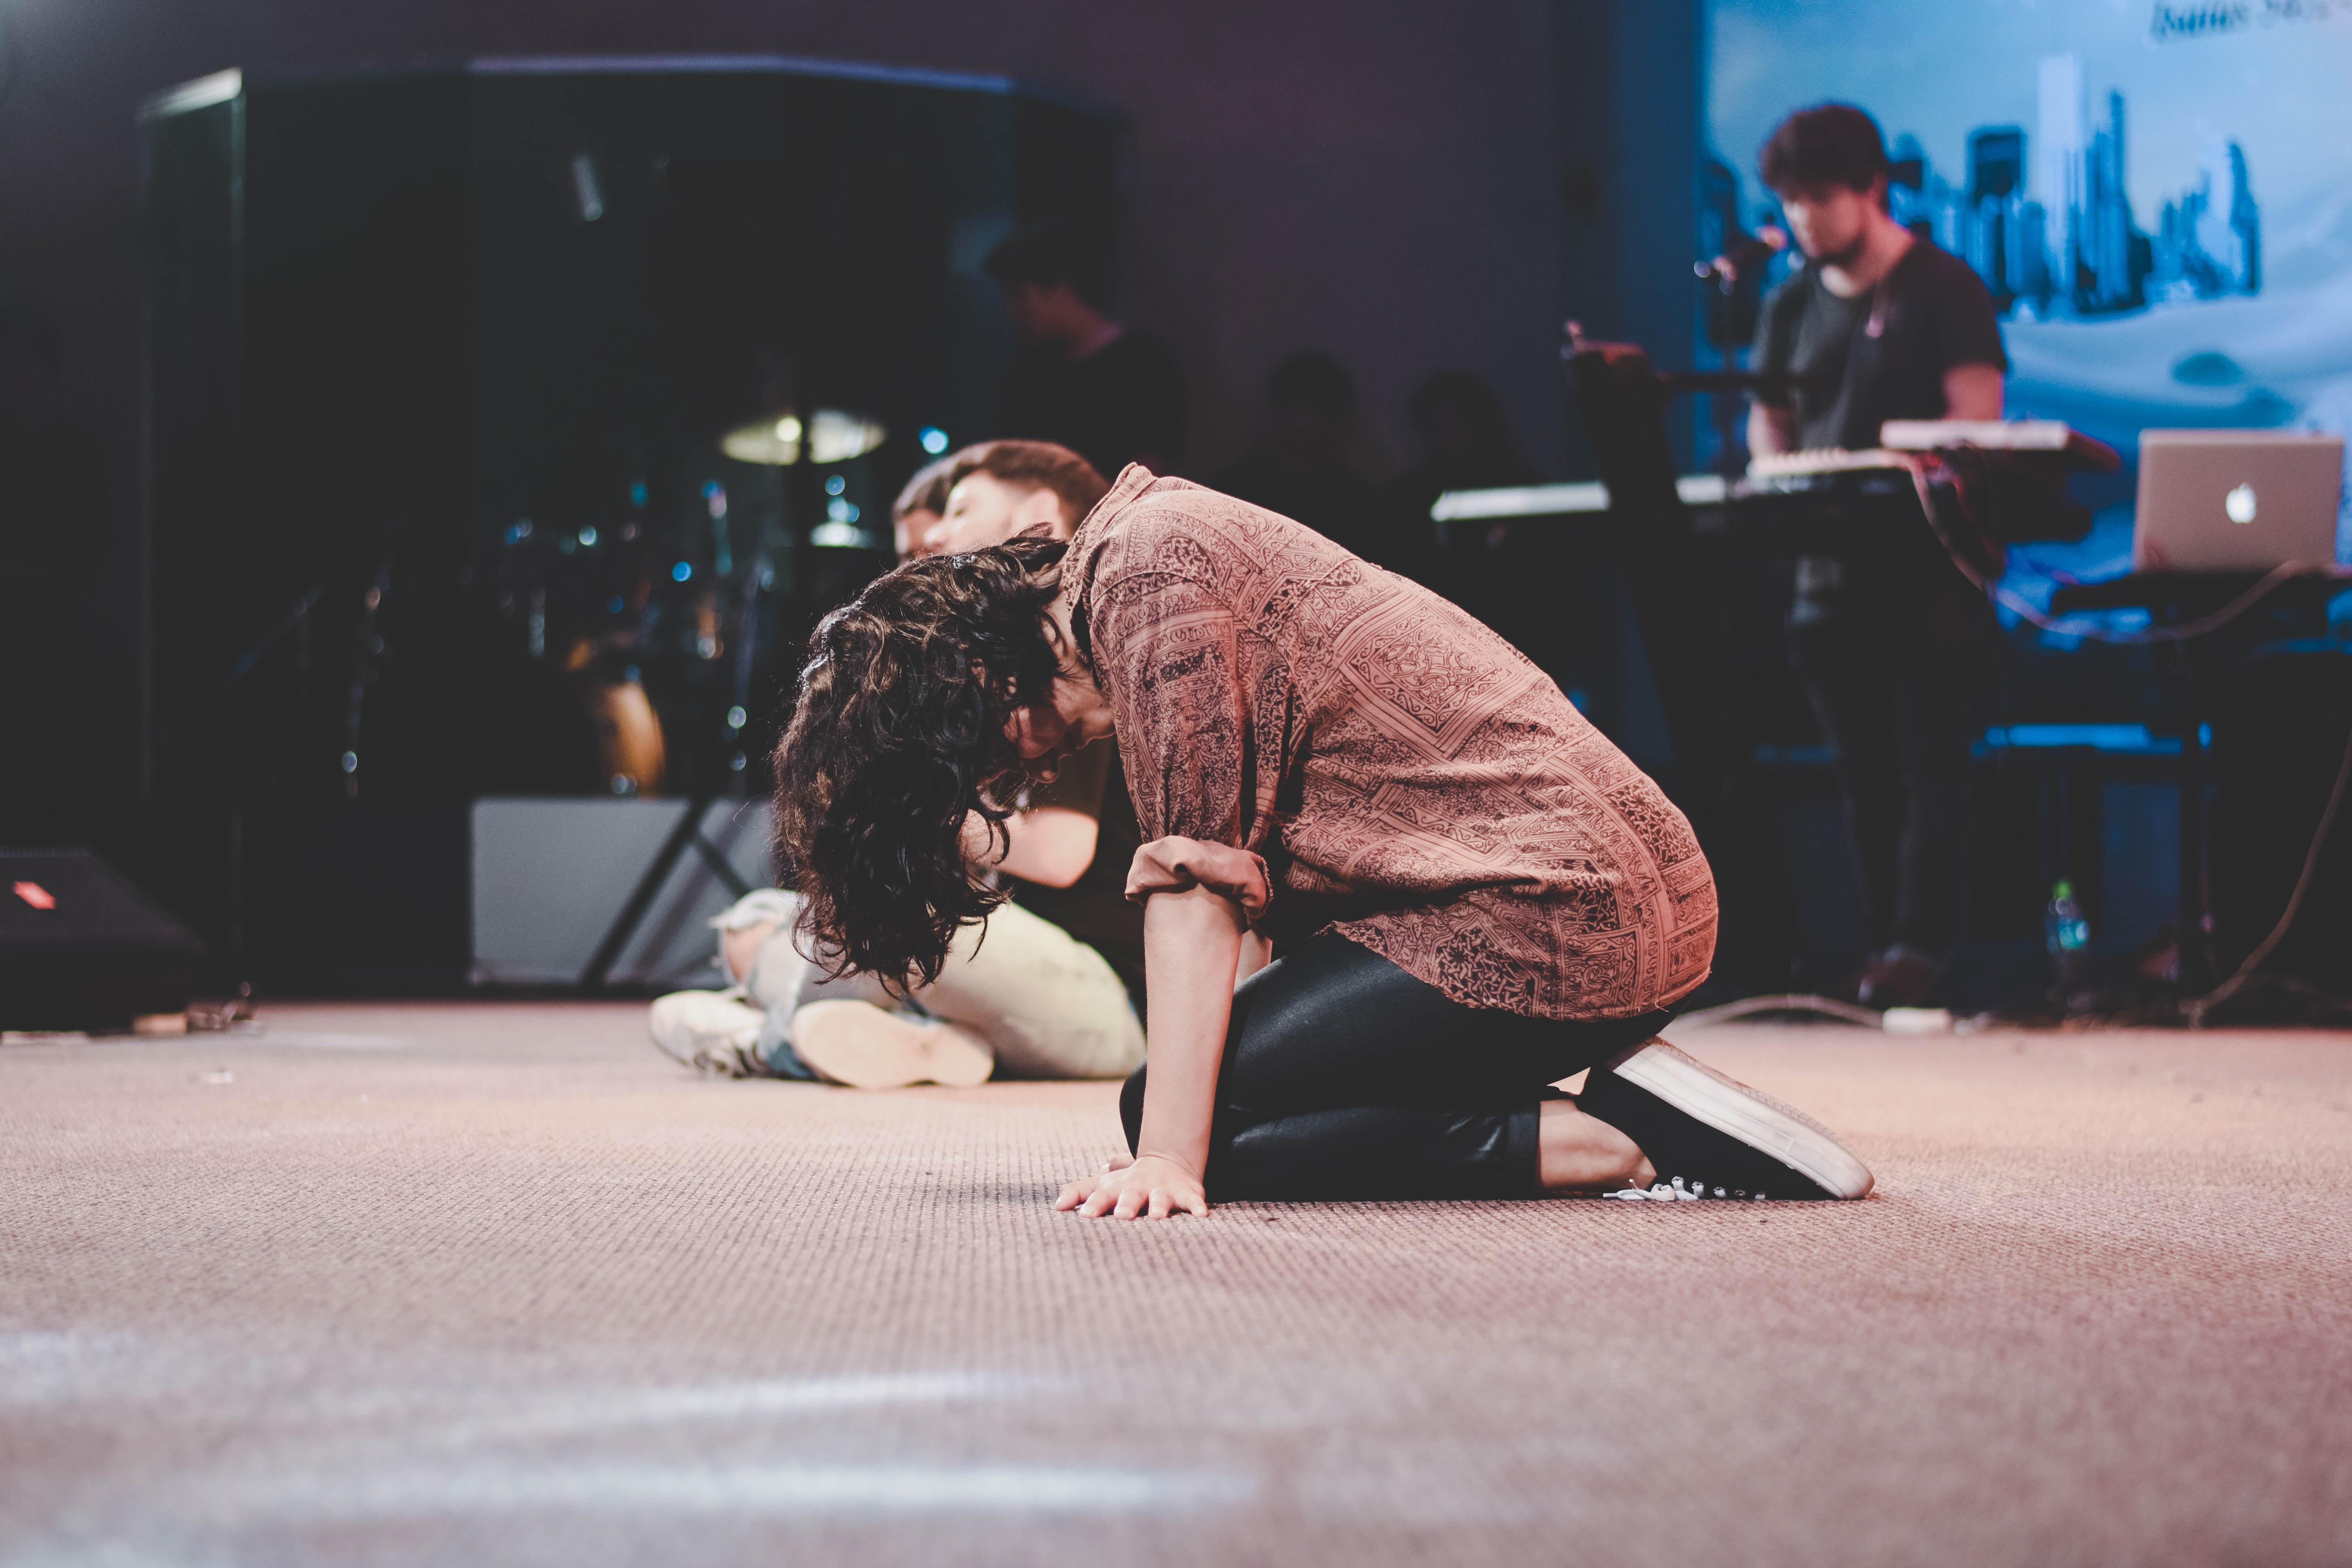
(687, 834)
(2195, 963)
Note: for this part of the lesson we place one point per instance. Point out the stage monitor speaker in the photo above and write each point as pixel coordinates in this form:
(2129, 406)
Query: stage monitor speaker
(81, 947)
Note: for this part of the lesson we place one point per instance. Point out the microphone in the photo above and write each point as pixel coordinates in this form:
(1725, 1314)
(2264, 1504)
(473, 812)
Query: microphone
(1742, 255)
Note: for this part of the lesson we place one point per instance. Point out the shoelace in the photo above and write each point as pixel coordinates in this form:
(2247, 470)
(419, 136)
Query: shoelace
(1679, 1192)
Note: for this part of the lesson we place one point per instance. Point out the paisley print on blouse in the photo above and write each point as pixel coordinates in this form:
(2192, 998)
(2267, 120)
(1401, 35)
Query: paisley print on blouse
(1409, 779)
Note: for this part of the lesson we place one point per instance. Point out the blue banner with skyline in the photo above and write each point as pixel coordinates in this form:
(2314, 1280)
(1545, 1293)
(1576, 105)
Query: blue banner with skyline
(2158, 194)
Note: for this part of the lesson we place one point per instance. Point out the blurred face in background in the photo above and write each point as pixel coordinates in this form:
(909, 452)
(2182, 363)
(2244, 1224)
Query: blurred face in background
(983, 510)
(1052, 315)
(913, 528)
(1310, 430)
(1832, 223)
(1448, 431)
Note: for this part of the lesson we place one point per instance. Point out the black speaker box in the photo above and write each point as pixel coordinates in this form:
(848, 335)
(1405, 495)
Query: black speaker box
(81, 947)
(2280, 729)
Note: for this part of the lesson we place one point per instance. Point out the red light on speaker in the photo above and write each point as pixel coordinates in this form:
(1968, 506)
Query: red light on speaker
(37, 896)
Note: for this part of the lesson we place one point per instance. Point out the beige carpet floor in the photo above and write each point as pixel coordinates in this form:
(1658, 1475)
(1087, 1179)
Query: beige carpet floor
(484, 1284)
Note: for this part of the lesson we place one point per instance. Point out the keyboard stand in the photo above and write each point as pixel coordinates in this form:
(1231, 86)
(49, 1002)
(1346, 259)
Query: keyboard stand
(2186, 669)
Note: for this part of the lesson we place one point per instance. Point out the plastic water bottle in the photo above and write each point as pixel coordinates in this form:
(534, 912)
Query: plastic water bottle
(2067, 937)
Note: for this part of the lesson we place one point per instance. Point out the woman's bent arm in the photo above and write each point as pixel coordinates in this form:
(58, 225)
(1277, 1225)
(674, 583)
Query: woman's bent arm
(1193, 940)
(1192, 944)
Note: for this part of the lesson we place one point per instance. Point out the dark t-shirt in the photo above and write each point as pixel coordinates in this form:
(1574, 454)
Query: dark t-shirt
(1121, 403)
(1933, 314)
(1094, 908)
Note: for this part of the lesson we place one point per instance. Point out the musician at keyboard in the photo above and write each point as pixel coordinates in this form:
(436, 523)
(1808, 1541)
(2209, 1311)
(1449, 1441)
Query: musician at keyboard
(1891, 641)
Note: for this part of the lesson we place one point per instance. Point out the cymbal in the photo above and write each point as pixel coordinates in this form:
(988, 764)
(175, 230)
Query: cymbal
(835, 436)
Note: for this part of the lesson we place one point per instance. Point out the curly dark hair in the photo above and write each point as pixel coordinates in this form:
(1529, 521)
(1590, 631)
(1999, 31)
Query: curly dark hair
(899, 733)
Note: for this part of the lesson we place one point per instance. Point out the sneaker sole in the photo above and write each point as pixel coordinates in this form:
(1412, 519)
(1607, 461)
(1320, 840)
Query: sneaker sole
(723, 1056)
(858, 1043)
(1759, 1121)
(723, 1059)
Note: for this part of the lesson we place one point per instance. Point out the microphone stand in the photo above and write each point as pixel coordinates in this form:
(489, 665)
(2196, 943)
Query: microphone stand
(687, 833)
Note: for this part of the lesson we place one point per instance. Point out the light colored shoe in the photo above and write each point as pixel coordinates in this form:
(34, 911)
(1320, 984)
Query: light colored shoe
(715, 1032)
(859, 1045)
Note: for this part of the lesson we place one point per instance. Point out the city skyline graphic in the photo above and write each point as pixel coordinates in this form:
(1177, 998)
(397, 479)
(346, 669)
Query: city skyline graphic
(2044, 215)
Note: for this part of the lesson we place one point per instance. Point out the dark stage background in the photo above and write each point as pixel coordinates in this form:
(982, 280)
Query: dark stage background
(1409, 188)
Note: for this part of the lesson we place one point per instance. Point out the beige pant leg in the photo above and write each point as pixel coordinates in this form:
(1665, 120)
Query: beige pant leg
(1046, 1003)
(782, 981)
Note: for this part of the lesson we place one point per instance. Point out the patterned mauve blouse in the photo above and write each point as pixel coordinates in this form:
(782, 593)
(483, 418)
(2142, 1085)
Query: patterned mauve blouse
(1396, 772)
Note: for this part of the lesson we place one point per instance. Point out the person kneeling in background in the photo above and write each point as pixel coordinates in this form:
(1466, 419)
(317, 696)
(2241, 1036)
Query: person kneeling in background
(1051, 985)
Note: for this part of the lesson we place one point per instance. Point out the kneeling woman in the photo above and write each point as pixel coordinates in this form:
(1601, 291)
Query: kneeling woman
(1475, 895)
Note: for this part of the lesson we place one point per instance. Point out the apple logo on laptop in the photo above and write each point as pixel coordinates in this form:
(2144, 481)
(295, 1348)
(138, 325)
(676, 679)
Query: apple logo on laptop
(2239, 504)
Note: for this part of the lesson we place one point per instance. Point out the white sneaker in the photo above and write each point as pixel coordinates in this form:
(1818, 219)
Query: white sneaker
(710, 1031)
(859, 1043)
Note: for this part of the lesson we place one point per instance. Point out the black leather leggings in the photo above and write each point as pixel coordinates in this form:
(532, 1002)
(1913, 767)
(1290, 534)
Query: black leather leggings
(1346, 1077)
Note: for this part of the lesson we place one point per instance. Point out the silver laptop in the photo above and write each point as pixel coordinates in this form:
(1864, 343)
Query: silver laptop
(2236, 500)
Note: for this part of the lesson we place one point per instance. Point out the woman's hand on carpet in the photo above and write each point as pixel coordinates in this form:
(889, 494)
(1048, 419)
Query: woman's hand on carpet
(1154, 1185)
